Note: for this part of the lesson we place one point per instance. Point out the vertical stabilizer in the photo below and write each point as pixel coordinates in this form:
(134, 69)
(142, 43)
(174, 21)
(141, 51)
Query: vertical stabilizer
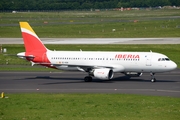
(31, 40)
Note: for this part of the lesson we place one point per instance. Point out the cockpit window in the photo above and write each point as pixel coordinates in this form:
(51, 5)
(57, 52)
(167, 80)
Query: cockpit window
(167, 59)
(163, 59)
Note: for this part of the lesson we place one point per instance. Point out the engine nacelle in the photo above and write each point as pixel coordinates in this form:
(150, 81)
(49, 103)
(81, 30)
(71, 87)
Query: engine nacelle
(133, 74)
(104, 74)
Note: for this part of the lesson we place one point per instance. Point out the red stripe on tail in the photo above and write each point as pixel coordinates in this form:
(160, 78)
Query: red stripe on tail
(31, 43)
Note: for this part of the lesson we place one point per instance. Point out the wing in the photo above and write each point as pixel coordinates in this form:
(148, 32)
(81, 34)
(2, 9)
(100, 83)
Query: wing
(87, 68)
(84, 68)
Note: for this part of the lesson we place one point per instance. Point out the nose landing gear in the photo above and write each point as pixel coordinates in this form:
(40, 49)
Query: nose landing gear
(153, 79)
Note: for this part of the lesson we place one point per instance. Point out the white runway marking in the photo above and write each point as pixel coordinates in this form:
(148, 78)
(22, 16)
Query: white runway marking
(91, 90)
(97, 40)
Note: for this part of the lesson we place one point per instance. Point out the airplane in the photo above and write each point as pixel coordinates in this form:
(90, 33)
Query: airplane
(98, 64)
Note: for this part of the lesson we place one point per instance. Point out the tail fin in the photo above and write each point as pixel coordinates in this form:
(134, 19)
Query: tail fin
(31, 40)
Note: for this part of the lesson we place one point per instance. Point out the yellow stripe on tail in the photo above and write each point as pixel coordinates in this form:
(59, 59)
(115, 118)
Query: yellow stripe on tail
(26, 26)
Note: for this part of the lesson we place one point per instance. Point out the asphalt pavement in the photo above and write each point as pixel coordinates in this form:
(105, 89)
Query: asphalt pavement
(168, 84)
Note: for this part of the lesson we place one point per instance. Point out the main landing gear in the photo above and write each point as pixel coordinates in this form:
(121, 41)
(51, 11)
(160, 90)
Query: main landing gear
(88, 79)
(153, 79)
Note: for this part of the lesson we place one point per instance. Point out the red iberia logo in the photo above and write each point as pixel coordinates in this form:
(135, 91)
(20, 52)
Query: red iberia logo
(126, 56)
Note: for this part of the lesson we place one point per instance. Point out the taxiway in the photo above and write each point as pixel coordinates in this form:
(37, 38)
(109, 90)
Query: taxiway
(168, 84)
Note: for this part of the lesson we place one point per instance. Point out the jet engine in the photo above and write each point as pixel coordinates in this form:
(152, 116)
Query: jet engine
(104, 74)
(133, 74)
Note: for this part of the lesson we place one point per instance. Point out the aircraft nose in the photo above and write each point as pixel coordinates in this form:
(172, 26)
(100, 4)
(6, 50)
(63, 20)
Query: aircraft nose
(173, 65)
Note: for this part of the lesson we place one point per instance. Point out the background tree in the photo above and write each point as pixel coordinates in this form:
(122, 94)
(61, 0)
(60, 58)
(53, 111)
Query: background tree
(81, 4)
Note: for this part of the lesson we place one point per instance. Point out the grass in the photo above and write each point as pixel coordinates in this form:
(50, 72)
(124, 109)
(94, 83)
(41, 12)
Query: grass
(85, 24)
(88, 107)
(141, 29)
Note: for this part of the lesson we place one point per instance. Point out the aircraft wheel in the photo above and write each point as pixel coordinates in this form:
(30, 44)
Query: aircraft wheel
(153, 80)
(88, 79)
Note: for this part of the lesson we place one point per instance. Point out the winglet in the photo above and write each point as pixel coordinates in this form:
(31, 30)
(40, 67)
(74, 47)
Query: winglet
(31, 40)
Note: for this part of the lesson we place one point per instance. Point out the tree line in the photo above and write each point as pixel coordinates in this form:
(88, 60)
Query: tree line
(81, 4)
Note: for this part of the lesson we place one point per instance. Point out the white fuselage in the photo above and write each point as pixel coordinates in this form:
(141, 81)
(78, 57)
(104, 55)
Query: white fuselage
(117, 61)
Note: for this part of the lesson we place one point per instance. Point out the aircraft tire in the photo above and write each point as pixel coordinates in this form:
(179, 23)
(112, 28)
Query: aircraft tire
(88, 79)
(153, 80)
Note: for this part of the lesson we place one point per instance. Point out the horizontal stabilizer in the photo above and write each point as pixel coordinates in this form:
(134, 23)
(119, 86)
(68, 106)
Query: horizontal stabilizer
(23, 56)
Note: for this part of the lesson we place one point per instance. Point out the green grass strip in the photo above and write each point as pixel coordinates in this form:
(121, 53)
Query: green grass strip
(88, 107)
(92, 24)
